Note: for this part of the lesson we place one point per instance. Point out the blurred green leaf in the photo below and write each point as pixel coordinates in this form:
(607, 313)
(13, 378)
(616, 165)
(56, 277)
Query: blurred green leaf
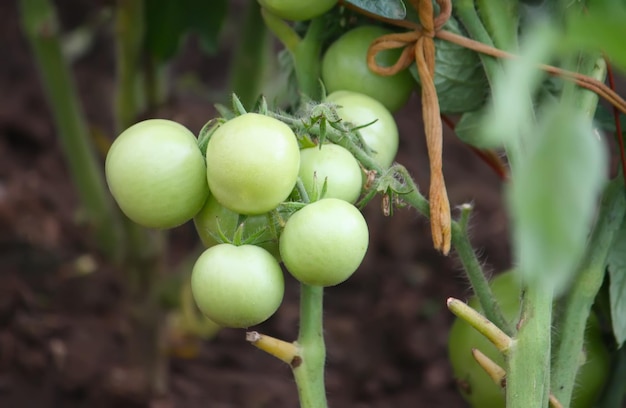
(393, 9)
(553, 195)
(617, 288)
(167, 21)
(600, 29)
(470, 130)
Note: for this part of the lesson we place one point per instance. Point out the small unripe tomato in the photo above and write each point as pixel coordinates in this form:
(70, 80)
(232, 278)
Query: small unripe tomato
(213, 214)
(252, 163)
(156, 173)
(324, 243)
(334, 165)
(344, 67)
(382, 136)
(237, 286)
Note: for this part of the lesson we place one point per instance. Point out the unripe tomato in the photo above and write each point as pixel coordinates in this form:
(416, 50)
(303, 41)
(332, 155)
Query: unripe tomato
(298, 10)
(237, 286)
(381, 136)
(344, 67)
(479, 389)
(335, 165)
(156, 173)
(252, 163)
(324, 243)
(213, 213)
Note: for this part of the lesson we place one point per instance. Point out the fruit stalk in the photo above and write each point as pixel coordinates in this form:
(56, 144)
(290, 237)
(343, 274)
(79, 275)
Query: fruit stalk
(306, 56)
(40, 24)
(309, 371)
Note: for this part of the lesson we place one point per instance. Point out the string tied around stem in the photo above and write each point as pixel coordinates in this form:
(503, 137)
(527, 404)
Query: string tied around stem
(418, 46)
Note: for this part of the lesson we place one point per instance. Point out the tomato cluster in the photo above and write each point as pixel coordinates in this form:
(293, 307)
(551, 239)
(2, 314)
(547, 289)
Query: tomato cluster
(261, 195)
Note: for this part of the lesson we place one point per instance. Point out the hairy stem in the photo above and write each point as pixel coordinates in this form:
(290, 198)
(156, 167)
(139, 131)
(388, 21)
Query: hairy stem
(40, 24)
(309, 370)
(581, 296)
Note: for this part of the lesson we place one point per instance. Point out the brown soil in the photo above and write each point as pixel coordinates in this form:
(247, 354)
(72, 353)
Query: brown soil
(61, 332)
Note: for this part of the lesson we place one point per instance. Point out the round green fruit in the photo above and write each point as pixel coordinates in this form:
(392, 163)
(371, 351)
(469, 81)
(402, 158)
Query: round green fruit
(480, 390)
(157, 174)
(344, 67)
(252, 163)
(237, 286)
(381, 136)
(297, 10)
(324, 243)
(335, 165)
(213, 214)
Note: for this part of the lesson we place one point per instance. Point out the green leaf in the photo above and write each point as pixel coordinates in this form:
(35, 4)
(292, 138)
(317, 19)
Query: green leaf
(470, 130)
(393, 9)
(600, 29)
(205, 18)
(553, 195)
(459, 76)
(617, 287)
(167, 21)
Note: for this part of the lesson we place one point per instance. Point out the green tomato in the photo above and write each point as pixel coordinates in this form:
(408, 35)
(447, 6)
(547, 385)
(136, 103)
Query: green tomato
(344, 67)
(237, 286)
(157, 174)
(480, 390)
(324, 243)
(252, 163)
(334, 164)
(297, 10)
(381, 136)
(213, 214)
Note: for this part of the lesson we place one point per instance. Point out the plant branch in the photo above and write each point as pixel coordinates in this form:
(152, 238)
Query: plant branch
(40, 24)
(582, 294)
(308, 371)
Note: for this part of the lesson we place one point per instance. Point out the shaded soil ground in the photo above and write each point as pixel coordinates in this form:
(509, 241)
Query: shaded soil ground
(61, 332)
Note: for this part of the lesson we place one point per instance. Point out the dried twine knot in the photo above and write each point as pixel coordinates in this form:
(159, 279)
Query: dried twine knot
(418, 45)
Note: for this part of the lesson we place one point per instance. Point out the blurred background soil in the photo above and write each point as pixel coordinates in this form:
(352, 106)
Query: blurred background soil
(62, 330)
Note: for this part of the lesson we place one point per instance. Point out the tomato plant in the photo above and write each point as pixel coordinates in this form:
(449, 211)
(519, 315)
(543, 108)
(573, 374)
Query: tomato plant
(156, 173)
(252, 163)
(324, 243)
(213, 216)
(382, 133)
(237, 286)
(344, 67)
(333, 165)
(296, 10)
(475, 384)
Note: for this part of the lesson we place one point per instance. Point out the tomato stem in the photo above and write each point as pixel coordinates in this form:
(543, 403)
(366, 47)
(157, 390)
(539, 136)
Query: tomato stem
(39, 23)
(580, 298)
(309, 371)
(484, 326)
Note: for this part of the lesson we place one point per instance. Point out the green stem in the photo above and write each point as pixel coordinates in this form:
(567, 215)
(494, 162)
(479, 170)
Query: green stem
(466, 12)
(477, 278)
(529, 359)
(306, 57)
(40, 24)
(309, 371)
(581, 296)
(129, 31)
(249, 62)
(501, 19)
